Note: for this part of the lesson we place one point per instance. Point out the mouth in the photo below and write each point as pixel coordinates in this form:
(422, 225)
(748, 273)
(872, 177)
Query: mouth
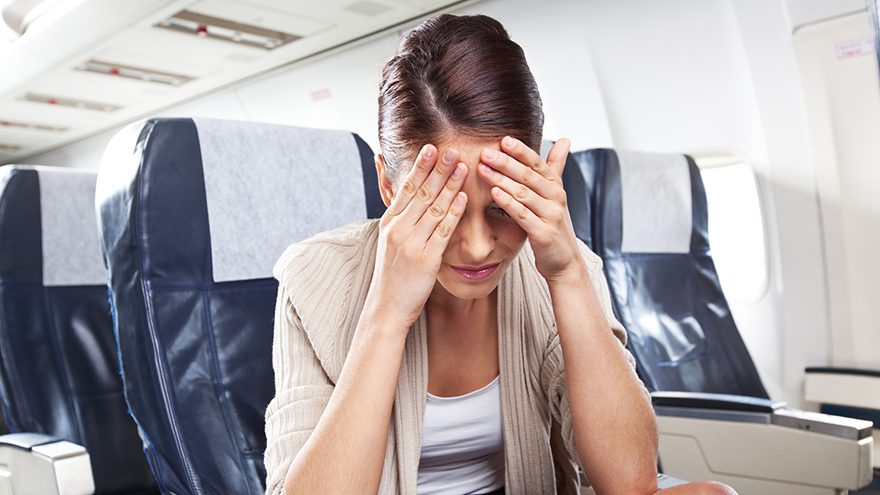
(476, 272)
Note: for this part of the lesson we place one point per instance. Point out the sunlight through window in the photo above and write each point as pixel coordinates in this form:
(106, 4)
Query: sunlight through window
(737, 231)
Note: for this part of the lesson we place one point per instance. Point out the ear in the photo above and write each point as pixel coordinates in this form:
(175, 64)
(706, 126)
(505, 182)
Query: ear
(385, 188)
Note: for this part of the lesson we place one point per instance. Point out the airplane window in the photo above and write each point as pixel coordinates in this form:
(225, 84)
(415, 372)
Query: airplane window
(737, 230)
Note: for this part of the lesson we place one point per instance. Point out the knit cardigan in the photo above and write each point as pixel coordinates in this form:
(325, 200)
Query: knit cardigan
(323, 285)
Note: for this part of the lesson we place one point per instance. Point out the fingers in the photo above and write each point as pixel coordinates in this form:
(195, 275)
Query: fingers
(518, 200)
(523, 215)
(438, 211)
(443, 231)
(529, 189)
(517, 150)
(425, 193)
(558, 155)
(537, 177)
(421, 168)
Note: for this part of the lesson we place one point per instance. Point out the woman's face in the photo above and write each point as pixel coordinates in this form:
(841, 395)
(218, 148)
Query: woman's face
(486, 240)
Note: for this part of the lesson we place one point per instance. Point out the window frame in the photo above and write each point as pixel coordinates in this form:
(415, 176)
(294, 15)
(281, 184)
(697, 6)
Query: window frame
(719, 157)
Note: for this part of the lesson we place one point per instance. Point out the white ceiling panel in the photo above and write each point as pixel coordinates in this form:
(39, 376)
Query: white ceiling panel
(133, 56)
(124, 33)
(284, 20)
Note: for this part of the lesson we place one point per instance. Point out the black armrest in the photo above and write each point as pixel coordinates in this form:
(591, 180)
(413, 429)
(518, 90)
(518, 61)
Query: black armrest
(717, 407)
(843, 371)
(742, 409)
(715, 402)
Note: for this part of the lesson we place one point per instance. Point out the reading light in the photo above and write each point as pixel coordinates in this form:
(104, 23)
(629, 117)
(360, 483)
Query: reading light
(69, 102)
(99, 67)
(31, 127)
(206, 26)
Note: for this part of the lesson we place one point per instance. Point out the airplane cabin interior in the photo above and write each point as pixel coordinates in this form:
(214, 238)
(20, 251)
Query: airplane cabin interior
(158, 156)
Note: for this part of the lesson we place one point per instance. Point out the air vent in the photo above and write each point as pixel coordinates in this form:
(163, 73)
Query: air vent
(9, 147)
(222, 29)
(69, 102)
(129, 72)
(31, 127)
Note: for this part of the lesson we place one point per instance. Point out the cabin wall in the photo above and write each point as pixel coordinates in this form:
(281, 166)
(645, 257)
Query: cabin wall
(843, 95)
(667, 76)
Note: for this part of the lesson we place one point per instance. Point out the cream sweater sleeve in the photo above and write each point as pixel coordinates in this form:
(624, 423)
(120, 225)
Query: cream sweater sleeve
(302, 390)
(553, 369)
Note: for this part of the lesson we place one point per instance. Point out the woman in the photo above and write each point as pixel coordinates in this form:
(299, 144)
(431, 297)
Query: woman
(435, 350)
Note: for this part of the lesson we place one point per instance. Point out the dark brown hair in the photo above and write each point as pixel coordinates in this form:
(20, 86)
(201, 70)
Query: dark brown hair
(455, 75)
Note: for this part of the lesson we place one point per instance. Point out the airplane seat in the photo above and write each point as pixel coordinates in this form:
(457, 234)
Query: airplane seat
(649, 225)
(194, 214)
(657, 242)
(59, 376)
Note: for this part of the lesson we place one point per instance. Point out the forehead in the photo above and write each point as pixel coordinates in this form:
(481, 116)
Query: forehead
(469, 149)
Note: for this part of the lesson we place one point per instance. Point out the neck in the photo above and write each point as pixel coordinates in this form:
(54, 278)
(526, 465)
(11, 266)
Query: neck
(460, 318)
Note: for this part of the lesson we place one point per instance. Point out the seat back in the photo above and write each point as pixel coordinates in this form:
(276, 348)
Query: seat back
(650, 226)
(59, 374)
(194, 214)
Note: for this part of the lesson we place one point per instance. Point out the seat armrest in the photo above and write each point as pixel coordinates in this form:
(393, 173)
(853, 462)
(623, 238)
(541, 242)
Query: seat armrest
(36, 463)
(781, 453)
(724, 402)
(754, 410)
(28, 441)
(718, 407)
(843, 386)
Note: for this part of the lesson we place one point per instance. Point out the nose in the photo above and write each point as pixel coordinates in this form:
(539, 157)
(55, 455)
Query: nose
(474, 237)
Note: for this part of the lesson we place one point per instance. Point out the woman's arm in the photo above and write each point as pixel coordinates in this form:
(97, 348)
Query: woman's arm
(346, 451)
(614, 426)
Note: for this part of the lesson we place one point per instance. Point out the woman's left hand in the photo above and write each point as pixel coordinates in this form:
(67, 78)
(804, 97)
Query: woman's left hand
(530, 191)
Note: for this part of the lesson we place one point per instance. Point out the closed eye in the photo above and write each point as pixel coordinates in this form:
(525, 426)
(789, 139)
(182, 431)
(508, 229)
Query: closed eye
(497, 210)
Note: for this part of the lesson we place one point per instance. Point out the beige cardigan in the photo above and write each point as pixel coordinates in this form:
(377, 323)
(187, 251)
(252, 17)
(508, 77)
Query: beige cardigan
(323, 284)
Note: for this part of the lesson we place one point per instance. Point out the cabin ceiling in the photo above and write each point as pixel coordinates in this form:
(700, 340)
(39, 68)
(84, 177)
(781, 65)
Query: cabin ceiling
(88, 66)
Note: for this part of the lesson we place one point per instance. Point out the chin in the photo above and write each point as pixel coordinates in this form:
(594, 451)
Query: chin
(461, 288)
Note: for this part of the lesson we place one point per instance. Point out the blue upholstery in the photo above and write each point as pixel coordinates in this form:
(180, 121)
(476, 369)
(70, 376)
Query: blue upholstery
(680, 327)
(195, 353)
(59, 373)
(578, 198)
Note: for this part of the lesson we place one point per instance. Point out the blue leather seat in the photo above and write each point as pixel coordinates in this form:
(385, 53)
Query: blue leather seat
(650, 227)
(194, 213)
(60, 373)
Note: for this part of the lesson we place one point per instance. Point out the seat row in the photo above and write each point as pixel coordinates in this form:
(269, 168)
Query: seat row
(163, 386)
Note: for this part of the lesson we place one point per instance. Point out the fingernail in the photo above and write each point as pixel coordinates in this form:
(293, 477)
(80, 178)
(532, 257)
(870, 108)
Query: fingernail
(459, 198)
(428, 152)
(509, 141)
(457, 172)
(449, 156)
(487, 169)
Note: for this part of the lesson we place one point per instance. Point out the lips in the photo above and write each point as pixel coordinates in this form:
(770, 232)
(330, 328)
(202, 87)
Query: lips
(475, 272)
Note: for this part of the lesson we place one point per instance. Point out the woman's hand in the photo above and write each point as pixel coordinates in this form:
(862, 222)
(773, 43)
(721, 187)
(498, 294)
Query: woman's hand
(414, 232)
(530, 191)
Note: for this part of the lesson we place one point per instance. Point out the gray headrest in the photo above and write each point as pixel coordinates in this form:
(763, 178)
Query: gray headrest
(269, 186)
(656, 202)
(71, 248)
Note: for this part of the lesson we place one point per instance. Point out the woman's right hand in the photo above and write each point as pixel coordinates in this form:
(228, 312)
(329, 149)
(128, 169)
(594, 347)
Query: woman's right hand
(413, 234)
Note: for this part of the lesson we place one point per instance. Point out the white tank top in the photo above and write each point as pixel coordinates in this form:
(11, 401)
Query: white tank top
(462, 444)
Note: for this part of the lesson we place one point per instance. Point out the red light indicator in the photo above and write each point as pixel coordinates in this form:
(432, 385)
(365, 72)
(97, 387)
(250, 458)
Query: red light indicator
(114, 72)
(202, 30)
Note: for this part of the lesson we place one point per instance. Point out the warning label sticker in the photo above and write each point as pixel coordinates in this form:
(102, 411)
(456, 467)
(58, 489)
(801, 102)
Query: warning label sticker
(855, 48)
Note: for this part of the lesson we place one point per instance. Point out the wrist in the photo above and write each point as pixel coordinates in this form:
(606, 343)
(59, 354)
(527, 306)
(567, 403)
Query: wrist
(572, 276)
(381, 320)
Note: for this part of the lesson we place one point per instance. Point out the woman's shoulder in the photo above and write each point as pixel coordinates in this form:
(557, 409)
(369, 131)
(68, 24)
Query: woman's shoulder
(327, 250)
